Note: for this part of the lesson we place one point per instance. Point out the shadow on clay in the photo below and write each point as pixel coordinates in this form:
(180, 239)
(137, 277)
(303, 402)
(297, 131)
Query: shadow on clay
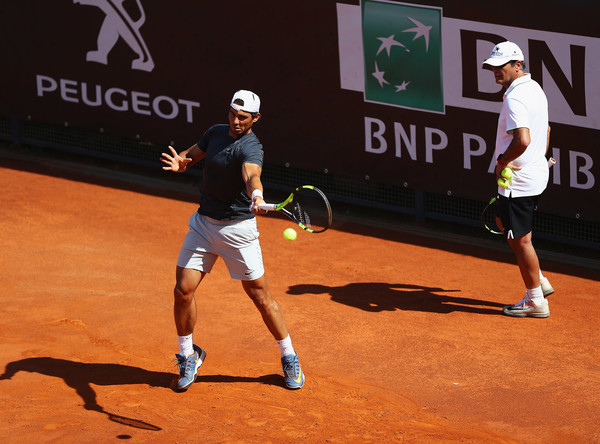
(273, 379)
(79, 376)
(383, 296)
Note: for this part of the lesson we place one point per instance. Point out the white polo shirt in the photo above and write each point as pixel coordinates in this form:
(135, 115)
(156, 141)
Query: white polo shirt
(525, 106)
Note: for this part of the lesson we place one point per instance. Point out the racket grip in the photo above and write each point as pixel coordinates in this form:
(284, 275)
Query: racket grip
(551, 162)
(266, 206)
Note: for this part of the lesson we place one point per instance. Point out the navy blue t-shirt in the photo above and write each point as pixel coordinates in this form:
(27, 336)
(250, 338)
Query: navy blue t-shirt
(223, 193)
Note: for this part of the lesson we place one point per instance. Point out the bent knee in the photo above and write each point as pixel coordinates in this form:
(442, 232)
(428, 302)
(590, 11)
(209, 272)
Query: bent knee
(521, 242)
(182, 295)
(262, 298)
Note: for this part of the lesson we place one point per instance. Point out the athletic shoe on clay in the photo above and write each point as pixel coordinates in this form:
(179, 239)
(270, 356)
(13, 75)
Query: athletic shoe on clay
(526, 307)
(188, 367)
(294, 378)
(546, 287)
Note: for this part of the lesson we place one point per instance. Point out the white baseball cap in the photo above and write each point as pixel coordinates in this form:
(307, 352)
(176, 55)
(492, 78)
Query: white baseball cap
(503, 53)
(251, 102)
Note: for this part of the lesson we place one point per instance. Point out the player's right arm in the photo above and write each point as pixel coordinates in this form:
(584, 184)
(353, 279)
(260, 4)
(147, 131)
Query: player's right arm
(519, 143)
(179, 162)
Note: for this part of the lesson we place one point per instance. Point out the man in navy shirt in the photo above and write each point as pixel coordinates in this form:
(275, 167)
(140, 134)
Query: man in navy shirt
(225, 226)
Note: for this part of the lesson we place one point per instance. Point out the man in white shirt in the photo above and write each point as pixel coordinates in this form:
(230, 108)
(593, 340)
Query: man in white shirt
(522, 141)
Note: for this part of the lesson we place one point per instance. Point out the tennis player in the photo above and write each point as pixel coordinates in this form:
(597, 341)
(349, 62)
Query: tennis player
(225, 226)
(522, 141)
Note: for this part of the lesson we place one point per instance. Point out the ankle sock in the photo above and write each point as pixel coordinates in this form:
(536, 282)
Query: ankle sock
(536, 295)
(285, 346)
(186, 345)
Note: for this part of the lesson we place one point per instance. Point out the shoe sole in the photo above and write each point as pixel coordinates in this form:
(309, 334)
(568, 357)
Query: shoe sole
(294, 387)
(201, 358)
(514, 314)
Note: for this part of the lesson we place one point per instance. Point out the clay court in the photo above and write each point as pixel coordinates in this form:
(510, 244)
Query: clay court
(400, 335)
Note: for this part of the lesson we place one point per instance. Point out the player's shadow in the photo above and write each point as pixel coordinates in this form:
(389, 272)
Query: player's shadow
(383, 296)
(273, 379)
(79, 376)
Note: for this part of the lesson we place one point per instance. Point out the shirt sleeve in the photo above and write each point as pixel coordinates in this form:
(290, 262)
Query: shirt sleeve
(203, 142)
(252, 152)
(517, 115)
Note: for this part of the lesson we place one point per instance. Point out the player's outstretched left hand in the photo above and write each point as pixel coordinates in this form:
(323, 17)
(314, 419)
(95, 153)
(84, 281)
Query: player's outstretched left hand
(174, 161)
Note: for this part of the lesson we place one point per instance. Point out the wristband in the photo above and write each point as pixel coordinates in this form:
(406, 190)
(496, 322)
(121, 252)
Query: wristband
(499, 159)
(257, 192)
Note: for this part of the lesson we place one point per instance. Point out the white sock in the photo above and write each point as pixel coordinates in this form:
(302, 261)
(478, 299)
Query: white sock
(541, 275)
(285, 346)
(536, 295)
(186, 345)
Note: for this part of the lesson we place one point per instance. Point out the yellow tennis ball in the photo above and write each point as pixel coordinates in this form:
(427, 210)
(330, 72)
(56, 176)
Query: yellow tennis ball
(506, 173)
(503, 183)
(290, 234)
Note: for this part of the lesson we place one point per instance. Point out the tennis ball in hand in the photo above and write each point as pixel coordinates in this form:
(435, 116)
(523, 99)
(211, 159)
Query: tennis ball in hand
(502, 183)
(506, 173)
(290, 234)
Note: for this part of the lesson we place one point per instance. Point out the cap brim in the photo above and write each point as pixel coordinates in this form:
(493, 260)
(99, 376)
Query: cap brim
(496, 61)
(237, 107)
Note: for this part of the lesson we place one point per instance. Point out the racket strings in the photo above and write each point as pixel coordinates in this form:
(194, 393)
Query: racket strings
(302, 215)
(311, 209)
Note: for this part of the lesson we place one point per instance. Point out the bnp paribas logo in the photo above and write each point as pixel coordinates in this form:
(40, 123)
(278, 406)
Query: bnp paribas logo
(402, 47)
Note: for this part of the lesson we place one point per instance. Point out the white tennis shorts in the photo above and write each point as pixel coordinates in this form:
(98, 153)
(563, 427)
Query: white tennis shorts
(235, 241)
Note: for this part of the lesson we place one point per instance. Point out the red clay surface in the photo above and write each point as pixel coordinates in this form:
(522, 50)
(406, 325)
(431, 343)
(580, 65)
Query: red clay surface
(401, 338)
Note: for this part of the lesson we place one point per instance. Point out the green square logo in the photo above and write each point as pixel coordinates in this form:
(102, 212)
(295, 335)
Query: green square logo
(403, 55)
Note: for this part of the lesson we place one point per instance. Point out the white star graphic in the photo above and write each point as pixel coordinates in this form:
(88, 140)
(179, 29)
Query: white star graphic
(402, 86)
(420, 31)
(387, 43)
(379, 76)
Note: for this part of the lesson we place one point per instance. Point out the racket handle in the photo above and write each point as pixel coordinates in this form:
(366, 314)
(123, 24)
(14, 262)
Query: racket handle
(266, 206)
(551, 162)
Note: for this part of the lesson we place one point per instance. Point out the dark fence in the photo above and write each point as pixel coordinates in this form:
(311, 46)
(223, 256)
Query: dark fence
(395, 199)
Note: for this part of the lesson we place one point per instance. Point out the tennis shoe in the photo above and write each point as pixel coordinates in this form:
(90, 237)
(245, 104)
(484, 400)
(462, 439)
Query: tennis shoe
(526, 307)
(294, 377)
(546, 287)
(188, 367)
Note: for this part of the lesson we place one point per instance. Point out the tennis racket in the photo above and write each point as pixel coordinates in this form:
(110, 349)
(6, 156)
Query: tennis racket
(488, 215)
(307, 206)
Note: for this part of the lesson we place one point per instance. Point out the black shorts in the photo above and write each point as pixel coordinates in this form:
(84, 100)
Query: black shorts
(516, 214)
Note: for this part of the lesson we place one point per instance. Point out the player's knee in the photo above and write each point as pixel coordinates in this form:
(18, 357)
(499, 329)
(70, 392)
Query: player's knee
(257, 297)
(263, 300)
(525, 240)
(181, 296)
(256, 289)
(521, 243)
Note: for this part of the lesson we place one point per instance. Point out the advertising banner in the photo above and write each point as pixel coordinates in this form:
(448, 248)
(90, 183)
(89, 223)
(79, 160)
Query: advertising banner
(372, 90)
